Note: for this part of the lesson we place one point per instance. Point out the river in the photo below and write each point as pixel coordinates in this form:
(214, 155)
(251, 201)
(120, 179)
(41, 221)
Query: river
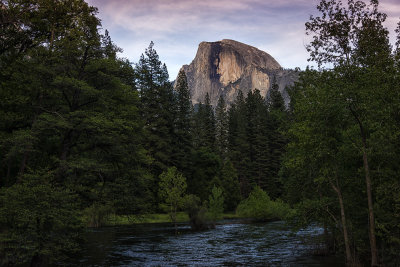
(230, 244)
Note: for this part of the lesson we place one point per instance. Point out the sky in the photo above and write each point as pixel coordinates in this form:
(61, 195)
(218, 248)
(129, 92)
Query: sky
(178, 26)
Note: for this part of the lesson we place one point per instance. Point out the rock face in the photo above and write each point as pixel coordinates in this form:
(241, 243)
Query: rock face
(227, 66)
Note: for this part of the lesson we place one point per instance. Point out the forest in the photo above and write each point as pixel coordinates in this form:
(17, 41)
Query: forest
(85, 134)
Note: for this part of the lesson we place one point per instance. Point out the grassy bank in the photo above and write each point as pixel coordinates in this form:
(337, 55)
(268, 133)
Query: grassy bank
(113, 220)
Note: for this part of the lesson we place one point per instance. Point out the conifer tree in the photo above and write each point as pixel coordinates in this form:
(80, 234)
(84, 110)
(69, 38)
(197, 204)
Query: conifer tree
(157, 107)
(277, 118)
(183, 131)
(257, 137)
(221, 128)
(198, 131)
(230, 185)
(239, 149)
(208, 118)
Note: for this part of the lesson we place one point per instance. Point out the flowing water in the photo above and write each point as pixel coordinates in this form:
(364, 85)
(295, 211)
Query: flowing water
(230, 244)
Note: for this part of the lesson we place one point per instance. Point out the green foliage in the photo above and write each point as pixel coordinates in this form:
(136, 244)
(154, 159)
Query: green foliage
(157, 108)
(238, 145)
(115, 220)
(255, 142)
(82, 130)
(38, 222)
(221, 128)
(203, 125)
(172, 188)
(230, 186)
(206, 166)
(197, 212)
(216, 204)
(343, 132)
(70, 106)
(192, 204)
(260, 207)
(182, 124)
(256, 205)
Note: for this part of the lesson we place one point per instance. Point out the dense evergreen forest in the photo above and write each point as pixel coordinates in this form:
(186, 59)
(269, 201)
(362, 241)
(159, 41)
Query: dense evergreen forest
(85, 133)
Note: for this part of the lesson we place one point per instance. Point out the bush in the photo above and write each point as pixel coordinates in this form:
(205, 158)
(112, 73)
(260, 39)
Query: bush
(259, 206)
(97, 214)
(197, 212)
(216, 205)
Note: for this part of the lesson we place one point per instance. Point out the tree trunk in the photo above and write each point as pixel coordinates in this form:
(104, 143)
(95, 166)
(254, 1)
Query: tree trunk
(372, 238)
(176, 226)
(349, 258)
(28, 147)
(64, 153)
(37, 261)
(8, 172)
(23, 165)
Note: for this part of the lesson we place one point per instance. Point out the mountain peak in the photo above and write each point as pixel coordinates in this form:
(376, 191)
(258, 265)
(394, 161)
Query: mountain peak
(227, 66)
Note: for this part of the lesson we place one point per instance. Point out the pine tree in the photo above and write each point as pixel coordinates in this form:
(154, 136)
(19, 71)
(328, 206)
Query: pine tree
(183, 131)
(204, 126)
(157, 107)
(230, 185)
(198, 131)
(221, 128)
(277, 118)
(239, 148)
(257, 137)
(209, 124)
(205, 172)
(275, 99)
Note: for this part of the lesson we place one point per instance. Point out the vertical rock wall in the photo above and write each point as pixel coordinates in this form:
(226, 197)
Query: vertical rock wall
(227, 66)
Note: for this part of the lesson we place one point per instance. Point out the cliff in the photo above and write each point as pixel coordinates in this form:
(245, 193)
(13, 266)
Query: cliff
(227, 66)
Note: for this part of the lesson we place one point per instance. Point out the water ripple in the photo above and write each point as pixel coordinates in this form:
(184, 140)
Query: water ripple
(267, 244)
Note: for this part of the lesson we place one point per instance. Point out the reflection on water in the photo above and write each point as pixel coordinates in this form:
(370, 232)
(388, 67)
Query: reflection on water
(236, 244)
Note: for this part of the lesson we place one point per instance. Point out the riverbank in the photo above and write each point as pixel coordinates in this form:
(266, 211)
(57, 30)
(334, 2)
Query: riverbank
(182, 217)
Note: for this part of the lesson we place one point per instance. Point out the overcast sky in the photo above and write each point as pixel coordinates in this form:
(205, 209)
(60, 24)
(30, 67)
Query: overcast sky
(178, 26)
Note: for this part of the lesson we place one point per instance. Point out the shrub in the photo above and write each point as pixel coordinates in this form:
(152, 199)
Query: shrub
(259, 206)
(216, 204)
(97, 214)
(197, 212)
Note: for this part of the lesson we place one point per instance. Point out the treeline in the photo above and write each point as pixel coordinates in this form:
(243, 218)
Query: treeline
(235, 148)
(84, 133)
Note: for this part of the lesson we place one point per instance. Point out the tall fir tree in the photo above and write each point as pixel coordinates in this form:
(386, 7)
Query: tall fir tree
(204, 126)
(239, 148)
(157, 108)
(277, 120)
(257, 137)
(198, 131)
(230, 184)
(221, 128)
(208, 118)
(182, 125)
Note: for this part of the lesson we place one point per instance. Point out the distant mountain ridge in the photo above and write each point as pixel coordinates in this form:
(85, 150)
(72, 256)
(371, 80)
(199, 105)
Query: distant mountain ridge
(227, 66)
